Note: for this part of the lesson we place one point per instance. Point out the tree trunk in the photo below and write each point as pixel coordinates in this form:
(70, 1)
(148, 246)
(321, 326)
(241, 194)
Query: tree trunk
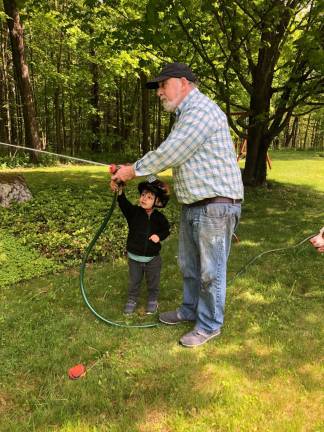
(306, 133)
(63, 125)
(57, 102)
(57, 114)
(121, 112)
(293, 134)
(14, 113)
(158, 138)
(4, 94)
(259, 129)
(72, 127)
(22, 73)
(153, 125)
(287, 136)
(3, 111)
(95, 120)
(116, 142)
(46, 113)
(255, 171)
(108, 115)
(312, 140)
(130, 112)
(145, 115)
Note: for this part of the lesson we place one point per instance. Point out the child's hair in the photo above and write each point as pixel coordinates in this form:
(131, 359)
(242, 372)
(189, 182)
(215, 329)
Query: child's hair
(160, 189)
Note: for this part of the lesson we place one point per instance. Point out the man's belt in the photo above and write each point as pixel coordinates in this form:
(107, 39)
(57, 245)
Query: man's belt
(218, 199)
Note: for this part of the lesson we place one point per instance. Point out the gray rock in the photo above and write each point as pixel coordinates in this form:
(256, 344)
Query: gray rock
(13, 187)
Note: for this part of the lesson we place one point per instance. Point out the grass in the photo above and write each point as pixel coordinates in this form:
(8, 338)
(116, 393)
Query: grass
(263, 374)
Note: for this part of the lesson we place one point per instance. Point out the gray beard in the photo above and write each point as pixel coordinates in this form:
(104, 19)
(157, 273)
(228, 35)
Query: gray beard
(169, 106)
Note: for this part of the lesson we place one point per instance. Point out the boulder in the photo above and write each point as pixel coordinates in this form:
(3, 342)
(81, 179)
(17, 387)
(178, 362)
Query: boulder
(13, 187)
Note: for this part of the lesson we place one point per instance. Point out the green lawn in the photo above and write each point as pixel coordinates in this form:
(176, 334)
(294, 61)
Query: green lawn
(263, 374)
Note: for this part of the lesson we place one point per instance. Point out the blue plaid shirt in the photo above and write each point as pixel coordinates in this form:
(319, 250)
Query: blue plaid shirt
(200, 151)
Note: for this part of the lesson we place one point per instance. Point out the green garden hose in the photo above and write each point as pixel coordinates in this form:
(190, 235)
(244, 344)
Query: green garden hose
(251, 261)
(93, 242)
(82, 272)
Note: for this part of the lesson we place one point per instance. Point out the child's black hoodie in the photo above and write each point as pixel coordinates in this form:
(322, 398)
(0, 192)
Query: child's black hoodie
(142, 226)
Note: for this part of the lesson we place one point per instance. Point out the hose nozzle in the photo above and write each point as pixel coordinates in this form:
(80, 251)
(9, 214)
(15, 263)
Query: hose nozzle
(113, 168)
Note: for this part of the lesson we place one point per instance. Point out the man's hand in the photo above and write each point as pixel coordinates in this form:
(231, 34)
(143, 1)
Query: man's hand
(154, 238)
(124, 173)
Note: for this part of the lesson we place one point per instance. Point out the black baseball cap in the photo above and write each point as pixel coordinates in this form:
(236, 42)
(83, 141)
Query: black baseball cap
(172, 70)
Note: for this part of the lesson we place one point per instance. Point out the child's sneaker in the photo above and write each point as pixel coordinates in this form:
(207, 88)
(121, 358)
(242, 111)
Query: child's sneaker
(152, 307)
(130, 307)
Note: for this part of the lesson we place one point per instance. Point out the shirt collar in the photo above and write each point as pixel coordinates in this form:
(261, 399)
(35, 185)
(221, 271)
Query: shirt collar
(186, 101)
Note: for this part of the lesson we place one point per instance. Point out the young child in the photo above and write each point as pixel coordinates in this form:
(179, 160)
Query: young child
(147, 228)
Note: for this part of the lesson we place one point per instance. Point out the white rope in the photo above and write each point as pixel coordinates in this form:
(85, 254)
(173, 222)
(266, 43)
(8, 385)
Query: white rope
(54, 154)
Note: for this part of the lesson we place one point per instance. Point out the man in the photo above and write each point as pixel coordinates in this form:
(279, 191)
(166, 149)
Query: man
(208, 184)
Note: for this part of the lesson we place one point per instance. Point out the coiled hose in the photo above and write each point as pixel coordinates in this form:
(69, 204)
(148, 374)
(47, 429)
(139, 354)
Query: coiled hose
(83, 267)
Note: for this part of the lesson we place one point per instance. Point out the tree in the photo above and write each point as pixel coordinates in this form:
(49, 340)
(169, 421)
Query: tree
(22, 74)
(262, 57)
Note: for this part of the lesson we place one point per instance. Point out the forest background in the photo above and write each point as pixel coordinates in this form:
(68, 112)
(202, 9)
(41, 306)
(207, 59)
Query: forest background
(73, 73)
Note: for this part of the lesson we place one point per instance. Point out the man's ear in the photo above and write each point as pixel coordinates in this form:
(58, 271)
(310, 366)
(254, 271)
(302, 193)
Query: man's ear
(184, 82)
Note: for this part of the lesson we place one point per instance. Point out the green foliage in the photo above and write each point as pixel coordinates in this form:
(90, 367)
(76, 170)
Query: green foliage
(65, 213)
(232, 44)
(19, 262)
(13, 162)
(23, 161)
(310, 42)
(3, 16)
(58, 224)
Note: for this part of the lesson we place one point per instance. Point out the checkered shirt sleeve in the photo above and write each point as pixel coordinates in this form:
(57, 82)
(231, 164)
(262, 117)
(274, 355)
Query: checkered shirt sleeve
(200, 151)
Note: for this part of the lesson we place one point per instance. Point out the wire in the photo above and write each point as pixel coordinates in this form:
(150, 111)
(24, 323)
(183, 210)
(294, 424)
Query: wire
(54, 154)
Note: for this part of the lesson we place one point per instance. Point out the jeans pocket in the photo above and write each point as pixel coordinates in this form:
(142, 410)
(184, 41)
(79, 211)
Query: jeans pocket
(215, 211)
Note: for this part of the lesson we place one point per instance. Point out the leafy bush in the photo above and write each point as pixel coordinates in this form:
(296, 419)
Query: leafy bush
(22, 160)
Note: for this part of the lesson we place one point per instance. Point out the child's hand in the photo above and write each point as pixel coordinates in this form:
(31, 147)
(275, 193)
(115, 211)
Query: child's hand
(116, 187)
(113, 186)
(154, 238)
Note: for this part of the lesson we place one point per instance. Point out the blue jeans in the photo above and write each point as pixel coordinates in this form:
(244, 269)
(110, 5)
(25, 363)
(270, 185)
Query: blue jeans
(204, 245)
